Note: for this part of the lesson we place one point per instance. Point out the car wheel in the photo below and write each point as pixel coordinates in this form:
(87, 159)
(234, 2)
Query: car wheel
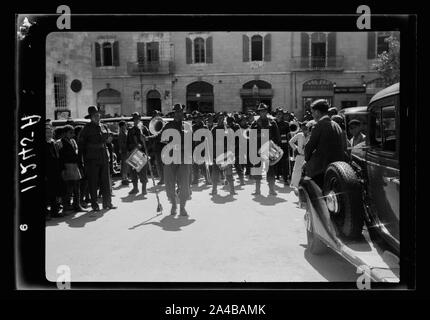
(342, 192)
(314, 244)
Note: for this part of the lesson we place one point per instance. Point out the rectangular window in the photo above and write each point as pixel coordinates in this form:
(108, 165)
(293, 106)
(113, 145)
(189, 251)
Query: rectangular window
(257, 48)
(107, 54)
(60, 91)
(381, 44)
(152, 52)
(389, 128)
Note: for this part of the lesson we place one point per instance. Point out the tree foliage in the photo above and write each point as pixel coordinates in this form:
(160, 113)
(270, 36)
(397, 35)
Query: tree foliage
(388, 62)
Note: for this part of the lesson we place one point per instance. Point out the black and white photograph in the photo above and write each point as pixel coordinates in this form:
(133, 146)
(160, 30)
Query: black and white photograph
(215, 154)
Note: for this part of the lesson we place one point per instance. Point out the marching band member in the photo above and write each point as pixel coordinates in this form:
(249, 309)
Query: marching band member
(238, 167)
(282, 167)
(92, 145)
(216, 169)
(265, 123)
(135, 138)
(197, 168)
(177, 173)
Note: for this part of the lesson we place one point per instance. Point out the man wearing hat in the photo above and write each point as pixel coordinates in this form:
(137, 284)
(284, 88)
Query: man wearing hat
(284, 130)
(93, 149)
(175, 173)
(197, 168)
(263, 122)
(135, 138)
(325, 144)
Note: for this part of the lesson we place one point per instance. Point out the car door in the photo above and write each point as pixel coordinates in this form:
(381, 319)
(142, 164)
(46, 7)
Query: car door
(383, 168)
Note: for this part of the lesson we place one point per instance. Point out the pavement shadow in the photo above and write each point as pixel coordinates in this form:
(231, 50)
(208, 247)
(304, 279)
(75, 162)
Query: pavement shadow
(121, 186)
(82, 220)
(168, 223)
(133, 197)
(284, 189)
(55, 221)
(268, 201)
(222, 199)
(332, 267)
(202, 187)
(158, 188)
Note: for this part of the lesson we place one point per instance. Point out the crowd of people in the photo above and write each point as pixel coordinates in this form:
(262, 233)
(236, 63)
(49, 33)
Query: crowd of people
(80, 160)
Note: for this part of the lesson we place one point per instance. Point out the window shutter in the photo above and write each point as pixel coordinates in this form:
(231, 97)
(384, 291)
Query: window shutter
(245, 48)
(267, 47)
(115, 53)
(97, 50)
(331, 49)
(156, 51)
(188, 48)
(209, 50)
(304, 50)
(140, 52)
(371, 45)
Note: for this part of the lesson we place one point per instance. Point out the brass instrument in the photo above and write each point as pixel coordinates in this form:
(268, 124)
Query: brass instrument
(156, 125)
(274, 155)
(294, 127)
(225, 159)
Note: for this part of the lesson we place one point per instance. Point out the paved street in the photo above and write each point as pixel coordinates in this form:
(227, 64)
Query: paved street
(225, 239)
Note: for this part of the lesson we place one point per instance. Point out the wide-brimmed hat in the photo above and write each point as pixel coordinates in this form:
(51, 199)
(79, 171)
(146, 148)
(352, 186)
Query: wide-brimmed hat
(178, 107)
(91, 111)
(262, 107)
(135, 115)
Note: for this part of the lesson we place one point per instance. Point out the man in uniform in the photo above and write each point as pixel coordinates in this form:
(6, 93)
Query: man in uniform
(123, 151)
(217, 173)
(282, 167)
(93, 149)
(135, 138)
(263, 122)
(197, 168)
(174, 172)
(325, 144)
(231, 124)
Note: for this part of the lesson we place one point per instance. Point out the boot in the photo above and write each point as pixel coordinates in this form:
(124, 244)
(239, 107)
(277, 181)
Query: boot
(173, 209)
(182, 210)
(242, 181)
(134, 190)
(232, 191)
(257, 191)
(77, 204)
(144, 192)
(272, 191)
(214, 190)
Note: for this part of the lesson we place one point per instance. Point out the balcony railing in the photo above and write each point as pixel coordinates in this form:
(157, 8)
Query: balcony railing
(145, 67)
(317, 63)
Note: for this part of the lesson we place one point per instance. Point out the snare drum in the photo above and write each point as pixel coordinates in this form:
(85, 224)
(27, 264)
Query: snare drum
(137, 159)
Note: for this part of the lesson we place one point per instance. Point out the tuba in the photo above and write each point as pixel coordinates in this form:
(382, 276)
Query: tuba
(156, 125)
(225, 159)
(274, 155)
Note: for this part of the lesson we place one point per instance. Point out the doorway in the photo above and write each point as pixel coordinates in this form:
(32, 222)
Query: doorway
(153, 102)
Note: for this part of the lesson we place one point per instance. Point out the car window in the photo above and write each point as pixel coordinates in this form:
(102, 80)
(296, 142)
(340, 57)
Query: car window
(382, 134)
(389, 128)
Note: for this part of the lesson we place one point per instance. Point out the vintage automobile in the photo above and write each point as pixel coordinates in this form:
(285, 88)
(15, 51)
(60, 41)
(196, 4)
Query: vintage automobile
(355, 113)
(357, 211)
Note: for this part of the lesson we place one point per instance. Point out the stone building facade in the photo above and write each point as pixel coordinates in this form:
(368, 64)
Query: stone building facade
(216, 71)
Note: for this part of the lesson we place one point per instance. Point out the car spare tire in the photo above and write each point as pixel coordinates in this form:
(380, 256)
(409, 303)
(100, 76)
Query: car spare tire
(343, 195)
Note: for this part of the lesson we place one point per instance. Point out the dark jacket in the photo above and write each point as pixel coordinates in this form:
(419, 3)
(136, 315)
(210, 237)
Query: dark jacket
(92, 143)
(52, 162)
(135, 138)
(326, 145)
(122, 142)
(69, 152)
(284, 130)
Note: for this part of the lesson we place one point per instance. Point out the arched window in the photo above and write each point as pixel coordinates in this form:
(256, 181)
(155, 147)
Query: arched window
(107, 54)
(257, 48)
(199, 50)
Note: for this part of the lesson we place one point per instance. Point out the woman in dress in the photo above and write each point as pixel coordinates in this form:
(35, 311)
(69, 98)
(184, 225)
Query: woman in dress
(297, 144)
